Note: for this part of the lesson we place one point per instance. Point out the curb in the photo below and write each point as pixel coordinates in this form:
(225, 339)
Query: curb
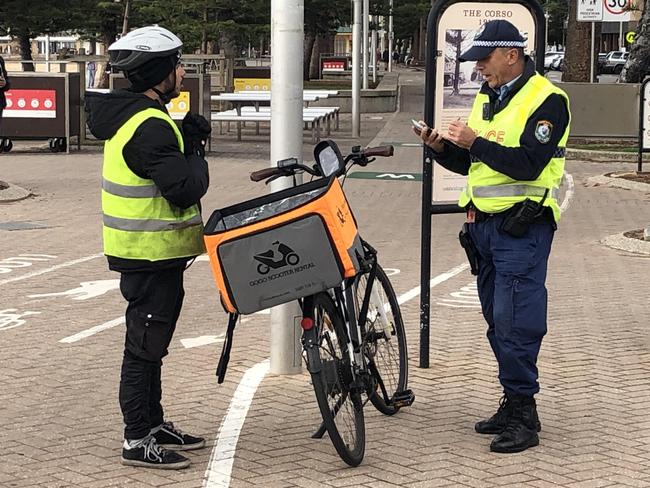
(619, 241)
(603, 156)
(13, 193)
(602, 180)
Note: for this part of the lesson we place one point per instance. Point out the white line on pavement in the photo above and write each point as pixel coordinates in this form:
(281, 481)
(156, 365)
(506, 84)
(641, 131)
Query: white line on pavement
(441, 278)
(52, 268)
(93, 330)
(223, 453)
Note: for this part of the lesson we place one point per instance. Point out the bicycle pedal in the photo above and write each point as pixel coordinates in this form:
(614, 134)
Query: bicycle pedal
(403, 398)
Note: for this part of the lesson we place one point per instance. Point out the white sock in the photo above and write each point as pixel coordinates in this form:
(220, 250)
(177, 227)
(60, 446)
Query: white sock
(133, 443)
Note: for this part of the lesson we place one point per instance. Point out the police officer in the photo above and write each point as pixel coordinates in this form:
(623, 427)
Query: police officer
(512, 150)
(152, 180)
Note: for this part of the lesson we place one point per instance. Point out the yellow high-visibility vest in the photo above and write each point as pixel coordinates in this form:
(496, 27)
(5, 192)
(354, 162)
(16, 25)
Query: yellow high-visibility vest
(491, 191)
(139, 223)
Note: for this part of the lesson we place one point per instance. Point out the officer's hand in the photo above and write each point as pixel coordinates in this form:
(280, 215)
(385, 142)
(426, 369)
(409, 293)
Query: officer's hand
(460, 134)
(196, 130)
(431, 137)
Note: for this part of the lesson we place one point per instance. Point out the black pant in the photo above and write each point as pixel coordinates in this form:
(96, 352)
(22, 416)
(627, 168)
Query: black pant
(155, 301)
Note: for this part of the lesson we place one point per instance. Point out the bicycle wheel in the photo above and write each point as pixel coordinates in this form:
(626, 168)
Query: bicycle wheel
(384, 340)
(340, 406)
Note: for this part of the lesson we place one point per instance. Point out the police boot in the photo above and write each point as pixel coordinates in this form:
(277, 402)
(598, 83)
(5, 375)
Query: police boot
(520, 431)
(498, 421)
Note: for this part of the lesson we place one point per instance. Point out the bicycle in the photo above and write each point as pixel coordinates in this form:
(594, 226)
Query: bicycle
(353, 339)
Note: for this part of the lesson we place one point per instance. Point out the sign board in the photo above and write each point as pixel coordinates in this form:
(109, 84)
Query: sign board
(31, 104)
(458, 83)
(179, 106)
(590, 10)
(607, 10)
(618, 10)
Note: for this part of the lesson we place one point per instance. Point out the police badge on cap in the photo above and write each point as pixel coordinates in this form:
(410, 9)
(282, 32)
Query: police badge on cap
(493, 34)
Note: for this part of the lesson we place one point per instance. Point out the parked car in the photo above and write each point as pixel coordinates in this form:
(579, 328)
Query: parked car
(614, 61)
(558, 62)
(549, 57)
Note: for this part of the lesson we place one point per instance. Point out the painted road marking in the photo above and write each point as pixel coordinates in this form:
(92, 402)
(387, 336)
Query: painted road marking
(441, 278)
(93, 330)
(223, 454)
(9, 319)
(7, 265)
(374, 175)
(87, 290)
(52, 268)
(201, 341)
(467, 297)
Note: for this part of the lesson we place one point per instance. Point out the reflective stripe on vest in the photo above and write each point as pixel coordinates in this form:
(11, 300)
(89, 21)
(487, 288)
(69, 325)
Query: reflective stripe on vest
(145, 191)
(149, 225)
(506, 128)
(513, 191)
(139, 223)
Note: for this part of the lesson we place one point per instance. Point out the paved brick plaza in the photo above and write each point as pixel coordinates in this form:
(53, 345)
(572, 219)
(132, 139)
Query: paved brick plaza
(61, 425)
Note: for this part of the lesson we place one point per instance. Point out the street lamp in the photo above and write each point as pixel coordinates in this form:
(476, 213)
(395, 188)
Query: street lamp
(546, 17)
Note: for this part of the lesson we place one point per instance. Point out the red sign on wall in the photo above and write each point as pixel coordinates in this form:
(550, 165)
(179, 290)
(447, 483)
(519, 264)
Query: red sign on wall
(31, 104)
(334, 65)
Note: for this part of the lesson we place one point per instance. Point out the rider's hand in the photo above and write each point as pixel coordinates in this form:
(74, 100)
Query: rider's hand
(196, 131)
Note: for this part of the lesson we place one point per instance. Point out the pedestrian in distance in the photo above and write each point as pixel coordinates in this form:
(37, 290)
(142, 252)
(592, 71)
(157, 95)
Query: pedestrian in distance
(153, 178)
(512, 151)
(4, 86)
(90, 74)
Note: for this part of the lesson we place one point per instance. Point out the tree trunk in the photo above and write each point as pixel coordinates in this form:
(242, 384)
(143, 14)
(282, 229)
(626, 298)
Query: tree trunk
(107, 39)
(310, 39)
(577, 61)
(204, 33)
(319, 47)
(638, 64)
(26, 52)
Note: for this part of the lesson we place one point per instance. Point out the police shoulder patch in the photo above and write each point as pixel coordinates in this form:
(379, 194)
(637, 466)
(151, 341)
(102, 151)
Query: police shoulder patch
(543, 131)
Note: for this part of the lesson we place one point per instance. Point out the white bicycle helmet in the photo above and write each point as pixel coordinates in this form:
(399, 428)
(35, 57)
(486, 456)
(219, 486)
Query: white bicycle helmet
(142, 45)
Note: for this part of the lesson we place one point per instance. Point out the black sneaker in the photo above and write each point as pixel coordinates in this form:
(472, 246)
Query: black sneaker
(169, 437)
(149, 454)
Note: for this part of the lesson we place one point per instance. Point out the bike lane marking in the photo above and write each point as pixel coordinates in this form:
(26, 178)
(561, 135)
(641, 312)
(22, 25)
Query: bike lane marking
(51, 268)
(222, 457)
(93, 330)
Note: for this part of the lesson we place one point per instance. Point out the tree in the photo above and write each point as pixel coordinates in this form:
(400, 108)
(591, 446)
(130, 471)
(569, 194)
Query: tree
(557, 11)
(409, 19)
(26, 19)
(637, 66)
(321, 18)
(577, 60)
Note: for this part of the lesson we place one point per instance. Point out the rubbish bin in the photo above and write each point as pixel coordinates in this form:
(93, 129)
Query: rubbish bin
(42, 106)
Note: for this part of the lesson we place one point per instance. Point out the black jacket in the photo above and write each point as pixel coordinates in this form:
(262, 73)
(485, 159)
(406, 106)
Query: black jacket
(152, 153)
(3, 73)
(525, 162)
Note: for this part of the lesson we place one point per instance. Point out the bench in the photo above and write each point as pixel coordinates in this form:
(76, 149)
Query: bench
(314, 119)
(328, 112)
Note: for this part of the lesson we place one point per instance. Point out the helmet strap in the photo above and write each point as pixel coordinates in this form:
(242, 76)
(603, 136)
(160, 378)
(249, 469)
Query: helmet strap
(166, 97)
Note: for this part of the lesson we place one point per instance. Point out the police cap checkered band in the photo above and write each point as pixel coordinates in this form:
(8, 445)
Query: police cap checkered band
(492, 35)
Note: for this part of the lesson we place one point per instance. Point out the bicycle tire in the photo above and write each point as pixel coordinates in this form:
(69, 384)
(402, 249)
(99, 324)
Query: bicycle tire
(387, 354)
(345, 425)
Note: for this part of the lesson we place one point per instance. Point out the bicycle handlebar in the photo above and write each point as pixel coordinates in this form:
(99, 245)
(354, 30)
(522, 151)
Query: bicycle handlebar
(265, 173)
(383, 151)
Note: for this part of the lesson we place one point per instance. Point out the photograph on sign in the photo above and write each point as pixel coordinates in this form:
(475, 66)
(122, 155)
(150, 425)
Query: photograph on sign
(458, 83)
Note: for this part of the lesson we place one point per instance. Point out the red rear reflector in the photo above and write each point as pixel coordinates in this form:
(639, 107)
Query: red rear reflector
(306, 323)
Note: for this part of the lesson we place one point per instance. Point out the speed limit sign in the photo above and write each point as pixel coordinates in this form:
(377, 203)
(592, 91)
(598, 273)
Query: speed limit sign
(618, 10)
